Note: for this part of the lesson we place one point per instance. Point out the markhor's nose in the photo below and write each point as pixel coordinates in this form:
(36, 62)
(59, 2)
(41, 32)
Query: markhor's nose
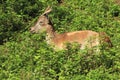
(32, 29)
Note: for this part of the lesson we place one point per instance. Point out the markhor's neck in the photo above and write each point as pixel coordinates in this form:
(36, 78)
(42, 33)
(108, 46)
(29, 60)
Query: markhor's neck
(50, 34)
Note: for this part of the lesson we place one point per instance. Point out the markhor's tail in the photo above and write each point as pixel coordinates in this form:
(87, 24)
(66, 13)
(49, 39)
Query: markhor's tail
(105, 39)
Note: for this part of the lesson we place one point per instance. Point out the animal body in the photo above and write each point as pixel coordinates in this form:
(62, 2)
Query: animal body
(86, 38)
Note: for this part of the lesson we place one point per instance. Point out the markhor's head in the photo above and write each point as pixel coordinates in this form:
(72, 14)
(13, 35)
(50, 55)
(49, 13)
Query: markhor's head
(43, 22)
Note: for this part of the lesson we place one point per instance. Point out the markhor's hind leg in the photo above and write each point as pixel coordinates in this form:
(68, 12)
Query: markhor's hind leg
(105, 39)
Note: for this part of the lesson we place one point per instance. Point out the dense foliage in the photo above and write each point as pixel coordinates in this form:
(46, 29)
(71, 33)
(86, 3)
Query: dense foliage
(26, 56)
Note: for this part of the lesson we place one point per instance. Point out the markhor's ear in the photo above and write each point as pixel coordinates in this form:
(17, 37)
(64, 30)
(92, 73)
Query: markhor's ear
(48, 10)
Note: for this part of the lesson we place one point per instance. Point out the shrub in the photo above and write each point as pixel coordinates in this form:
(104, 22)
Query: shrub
(26, 56)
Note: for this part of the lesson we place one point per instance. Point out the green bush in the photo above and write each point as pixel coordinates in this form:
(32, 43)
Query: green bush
(27, 56)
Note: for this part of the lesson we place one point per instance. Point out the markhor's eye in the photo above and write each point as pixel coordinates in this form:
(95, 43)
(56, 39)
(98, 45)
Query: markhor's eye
(40, 22)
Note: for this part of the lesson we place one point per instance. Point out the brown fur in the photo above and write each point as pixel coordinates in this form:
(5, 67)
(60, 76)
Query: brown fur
(117, 2)
(105, 39)
(81, 37)
(85, 38)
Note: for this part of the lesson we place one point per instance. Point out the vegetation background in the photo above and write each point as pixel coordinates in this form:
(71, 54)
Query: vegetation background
(26, 56)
